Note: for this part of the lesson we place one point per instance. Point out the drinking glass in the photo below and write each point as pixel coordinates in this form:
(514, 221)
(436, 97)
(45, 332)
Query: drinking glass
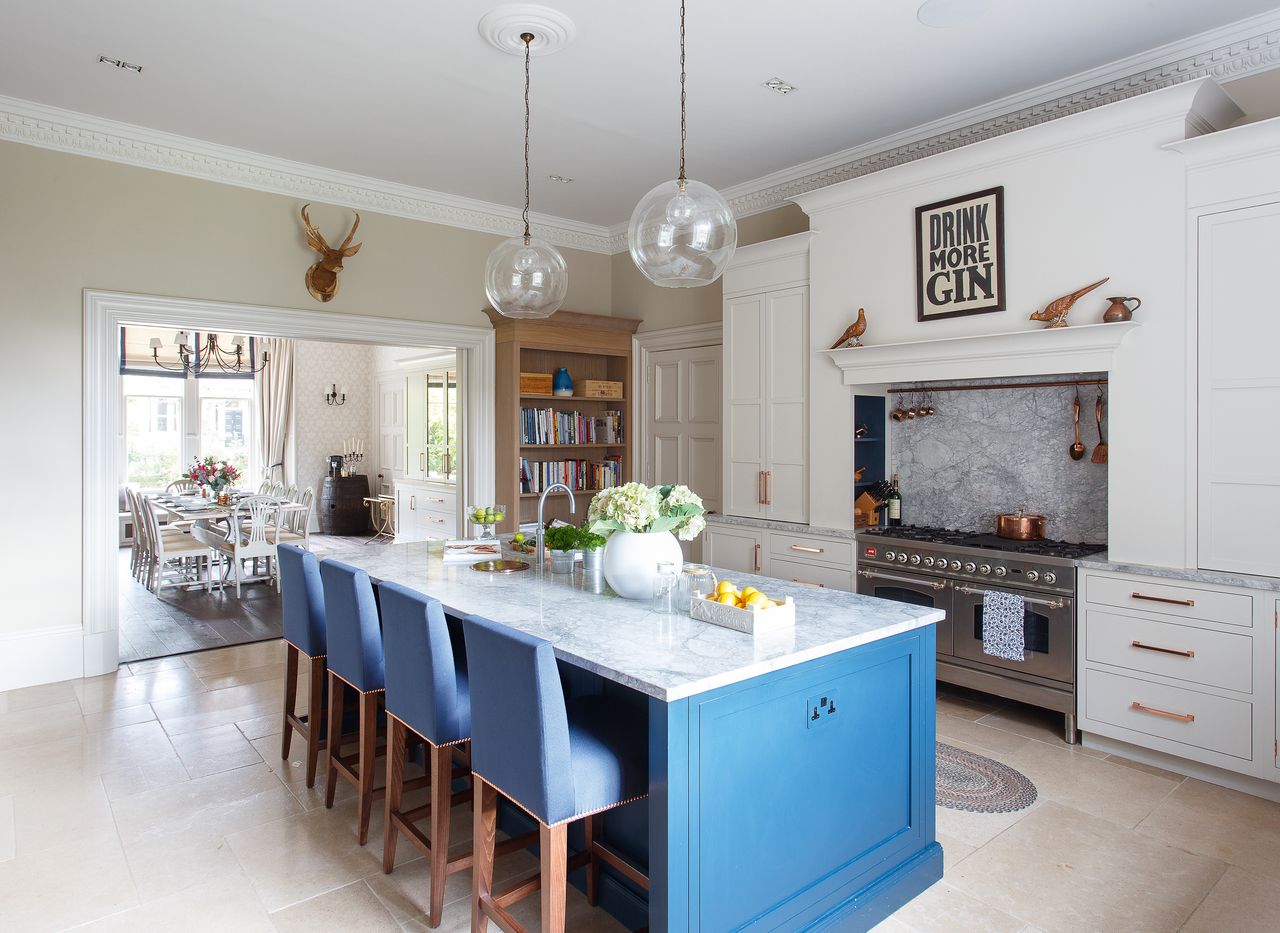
(697, 582)
(666, 588)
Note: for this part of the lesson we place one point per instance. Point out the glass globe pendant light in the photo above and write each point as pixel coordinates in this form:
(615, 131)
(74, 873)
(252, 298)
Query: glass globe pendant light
(682, 233)
(525, 276)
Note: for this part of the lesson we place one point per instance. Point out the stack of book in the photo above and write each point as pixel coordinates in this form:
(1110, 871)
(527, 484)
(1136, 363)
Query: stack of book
(549, 426)
(537, 475)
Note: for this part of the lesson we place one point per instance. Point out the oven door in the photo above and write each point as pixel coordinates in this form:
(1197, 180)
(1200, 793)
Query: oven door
(1050, 645)
(916, 590)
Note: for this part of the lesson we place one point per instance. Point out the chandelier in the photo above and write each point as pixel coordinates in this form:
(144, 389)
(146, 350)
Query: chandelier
(198, 356)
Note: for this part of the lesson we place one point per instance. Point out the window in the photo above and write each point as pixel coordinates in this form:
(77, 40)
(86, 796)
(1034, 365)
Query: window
(153, 430)
(225, 416)
(442, 424)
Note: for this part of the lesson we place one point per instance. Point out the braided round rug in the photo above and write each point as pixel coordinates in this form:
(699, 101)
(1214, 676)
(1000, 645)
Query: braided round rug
(967, 781)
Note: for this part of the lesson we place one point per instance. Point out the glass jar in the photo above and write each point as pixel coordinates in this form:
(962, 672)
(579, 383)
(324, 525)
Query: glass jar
(697, 582)
(666, 589)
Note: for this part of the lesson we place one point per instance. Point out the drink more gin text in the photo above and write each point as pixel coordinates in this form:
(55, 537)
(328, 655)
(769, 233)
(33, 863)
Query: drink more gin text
(960, 264)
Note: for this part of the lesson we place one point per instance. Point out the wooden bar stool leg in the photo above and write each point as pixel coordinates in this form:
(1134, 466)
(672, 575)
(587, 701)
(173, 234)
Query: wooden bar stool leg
(483, 836)
(397, 739)
(441, 807)
(315, 717)
(335, 738)
(553, 845)
(592, 828)
(290, 695)
(368, 751)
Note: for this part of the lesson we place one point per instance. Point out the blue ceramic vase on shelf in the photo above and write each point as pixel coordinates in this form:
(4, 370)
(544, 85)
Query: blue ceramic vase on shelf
(561, 384)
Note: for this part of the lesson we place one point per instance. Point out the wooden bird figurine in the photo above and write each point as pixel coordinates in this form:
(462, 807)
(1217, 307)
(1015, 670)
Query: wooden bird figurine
(850, 338)
(1055, 312)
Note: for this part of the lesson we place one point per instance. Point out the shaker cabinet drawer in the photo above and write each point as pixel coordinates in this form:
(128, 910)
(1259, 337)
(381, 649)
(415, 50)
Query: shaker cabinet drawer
(1176, 600)
(803, 548)
(834, 578)
(1175, 714)
(1203, 656)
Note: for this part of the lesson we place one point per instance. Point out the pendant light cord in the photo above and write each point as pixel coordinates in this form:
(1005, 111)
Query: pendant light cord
(528, 40)
(682, 97)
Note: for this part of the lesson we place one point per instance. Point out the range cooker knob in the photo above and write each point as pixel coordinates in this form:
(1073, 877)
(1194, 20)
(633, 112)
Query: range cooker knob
(970, 567)
(955, 565)
(1000, 571)
(984, 568)
(890, 555)
(915, 558)
(1033, 576)
(902, 558)
(1050, 577)
(928, 561)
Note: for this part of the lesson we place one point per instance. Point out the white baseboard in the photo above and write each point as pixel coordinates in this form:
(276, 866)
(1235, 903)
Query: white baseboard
(1244, 783)
(41, 656)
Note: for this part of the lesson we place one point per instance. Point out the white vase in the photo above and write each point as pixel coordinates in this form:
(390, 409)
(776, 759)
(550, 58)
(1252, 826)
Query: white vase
(631, 560)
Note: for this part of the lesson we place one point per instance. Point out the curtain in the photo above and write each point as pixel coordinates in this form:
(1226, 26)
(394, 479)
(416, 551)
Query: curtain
(274, 389)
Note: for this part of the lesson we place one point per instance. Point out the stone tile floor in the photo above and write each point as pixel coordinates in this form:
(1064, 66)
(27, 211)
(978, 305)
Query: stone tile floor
(156, 799)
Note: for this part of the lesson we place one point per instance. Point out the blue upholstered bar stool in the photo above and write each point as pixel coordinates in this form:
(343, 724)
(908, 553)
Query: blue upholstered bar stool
(559, 762)
(356, 661)
(304, 637)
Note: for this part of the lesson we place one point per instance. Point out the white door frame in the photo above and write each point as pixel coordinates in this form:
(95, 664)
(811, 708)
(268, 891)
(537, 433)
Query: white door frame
(105, 312)
(685, 337)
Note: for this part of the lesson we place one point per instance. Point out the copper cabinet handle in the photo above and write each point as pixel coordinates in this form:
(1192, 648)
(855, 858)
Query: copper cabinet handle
(1180, 652)
(760, 487)
(1163, 599)
(768, 480)
(413, 502)
(433, 499)
(757, 559)
(422, 461)
(809, 583)
(808, 550)
(438, 521)
(1181, 717)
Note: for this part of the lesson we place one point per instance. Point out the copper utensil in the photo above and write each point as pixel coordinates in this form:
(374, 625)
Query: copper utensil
(1020, 526)
(1077, 449)
(1099, 452)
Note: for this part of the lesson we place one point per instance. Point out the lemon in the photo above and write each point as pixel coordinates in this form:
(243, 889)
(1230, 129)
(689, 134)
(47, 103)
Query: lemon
(758, 599)
(726, 599)
(749, 591)
(724, 586)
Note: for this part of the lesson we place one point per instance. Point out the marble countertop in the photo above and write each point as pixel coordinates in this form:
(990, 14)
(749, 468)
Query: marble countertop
(775, 525)
(664, 656)
(1191, 575)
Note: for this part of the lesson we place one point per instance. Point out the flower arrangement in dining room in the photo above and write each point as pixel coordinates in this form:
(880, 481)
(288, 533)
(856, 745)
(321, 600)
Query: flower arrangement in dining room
(641, 524)
(213, 474)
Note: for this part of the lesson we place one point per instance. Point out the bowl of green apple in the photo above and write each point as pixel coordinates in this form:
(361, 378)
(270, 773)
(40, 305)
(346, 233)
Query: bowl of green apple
(484, 518)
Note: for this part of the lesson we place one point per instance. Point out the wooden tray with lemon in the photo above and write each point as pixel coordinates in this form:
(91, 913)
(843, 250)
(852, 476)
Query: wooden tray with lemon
(746, 610)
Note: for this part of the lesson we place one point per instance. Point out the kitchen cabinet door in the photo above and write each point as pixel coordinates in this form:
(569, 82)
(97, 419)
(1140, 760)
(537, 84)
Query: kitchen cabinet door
(733, 548)
(415, 421)
(744, 407)
(785, 362)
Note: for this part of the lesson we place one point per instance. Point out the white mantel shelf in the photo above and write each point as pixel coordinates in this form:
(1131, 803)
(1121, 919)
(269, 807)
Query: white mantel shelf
(1038, 352)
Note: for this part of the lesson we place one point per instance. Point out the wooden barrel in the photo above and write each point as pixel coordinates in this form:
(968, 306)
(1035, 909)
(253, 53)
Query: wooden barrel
(341, 509)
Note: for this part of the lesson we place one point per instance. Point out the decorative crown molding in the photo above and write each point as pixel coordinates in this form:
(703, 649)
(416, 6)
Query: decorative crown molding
(37, 124)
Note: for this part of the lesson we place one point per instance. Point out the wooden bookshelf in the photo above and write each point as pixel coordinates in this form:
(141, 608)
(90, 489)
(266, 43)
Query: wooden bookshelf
(590, 346)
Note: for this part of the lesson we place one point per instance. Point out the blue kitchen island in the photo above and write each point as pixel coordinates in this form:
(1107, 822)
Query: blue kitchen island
(791, 775)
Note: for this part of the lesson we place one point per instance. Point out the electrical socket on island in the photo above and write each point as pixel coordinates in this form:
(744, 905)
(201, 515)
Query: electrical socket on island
(821, 709)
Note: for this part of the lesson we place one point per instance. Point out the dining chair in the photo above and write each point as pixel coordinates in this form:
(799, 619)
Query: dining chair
(250, 534)
(559, 761)
(296, 523)
(172, 547)
(136, 539)
(356, 660)
(180, 487)
(305, 637)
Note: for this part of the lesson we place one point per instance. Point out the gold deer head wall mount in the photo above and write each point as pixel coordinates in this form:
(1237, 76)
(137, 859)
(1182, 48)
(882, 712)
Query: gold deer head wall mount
(322, 277)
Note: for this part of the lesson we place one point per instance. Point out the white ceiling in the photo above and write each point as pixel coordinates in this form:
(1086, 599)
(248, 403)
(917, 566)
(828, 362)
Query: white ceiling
(408, 91)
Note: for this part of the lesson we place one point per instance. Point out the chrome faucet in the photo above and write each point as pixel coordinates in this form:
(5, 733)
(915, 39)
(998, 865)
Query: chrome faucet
(541, 500)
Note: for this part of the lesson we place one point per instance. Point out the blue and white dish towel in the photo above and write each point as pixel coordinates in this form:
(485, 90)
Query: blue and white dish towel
(1004, 625)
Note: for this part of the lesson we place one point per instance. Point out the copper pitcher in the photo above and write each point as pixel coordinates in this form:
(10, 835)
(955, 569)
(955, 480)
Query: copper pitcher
(1119, 309)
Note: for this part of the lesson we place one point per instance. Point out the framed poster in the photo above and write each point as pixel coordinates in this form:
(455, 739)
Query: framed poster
(960, 256)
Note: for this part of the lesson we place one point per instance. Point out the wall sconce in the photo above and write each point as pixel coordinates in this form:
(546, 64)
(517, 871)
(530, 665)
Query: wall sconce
(336, 396)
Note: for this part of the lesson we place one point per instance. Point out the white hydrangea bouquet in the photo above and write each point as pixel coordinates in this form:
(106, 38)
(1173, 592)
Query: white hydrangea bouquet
(638, 508)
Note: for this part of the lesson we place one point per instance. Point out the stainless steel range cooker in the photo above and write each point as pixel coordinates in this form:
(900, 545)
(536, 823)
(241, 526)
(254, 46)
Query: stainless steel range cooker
(951, 570)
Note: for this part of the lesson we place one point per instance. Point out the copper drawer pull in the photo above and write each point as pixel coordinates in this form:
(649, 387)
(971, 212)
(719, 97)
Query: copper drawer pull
(413, 502)
(438, 521)
(809, 583)
(433, 499)
(768, 481)
(1181, 717)
(1180, 652)
(1163, 599)
(757, 559)
(760, 487)
(808, 550)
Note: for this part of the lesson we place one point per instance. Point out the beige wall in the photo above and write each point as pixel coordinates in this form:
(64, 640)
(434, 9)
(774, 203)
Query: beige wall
(635, 296)
(68, 223)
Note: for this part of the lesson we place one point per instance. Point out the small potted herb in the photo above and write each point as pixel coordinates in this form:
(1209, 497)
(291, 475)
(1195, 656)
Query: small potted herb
(561, 541)
(592, 546)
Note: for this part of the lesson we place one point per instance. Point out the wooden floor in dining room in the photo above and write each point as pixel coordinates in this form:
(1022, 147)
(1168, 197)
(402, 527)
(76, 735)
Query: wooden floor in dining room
(179, 620)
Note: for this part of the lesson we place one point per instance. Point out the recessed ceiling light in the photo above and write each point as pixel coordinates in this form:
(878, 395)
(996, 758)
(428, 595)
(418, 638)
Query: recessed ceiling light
(946, 14)
(560, 178)
(782, 87)
(120, 63)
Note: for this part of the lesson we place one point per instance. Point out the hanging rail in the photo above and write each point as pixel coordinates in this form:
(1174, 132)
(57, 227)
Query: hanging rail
(988, 386)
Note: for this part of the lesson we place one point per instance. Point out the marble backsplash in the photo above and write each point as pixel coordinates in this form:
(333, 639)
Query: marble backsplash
(1001, 450)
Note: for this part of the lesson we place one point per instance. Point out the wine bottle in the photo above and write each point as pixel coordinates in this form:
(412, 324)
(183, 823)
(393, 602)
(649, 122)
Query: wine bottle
(894, 504)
